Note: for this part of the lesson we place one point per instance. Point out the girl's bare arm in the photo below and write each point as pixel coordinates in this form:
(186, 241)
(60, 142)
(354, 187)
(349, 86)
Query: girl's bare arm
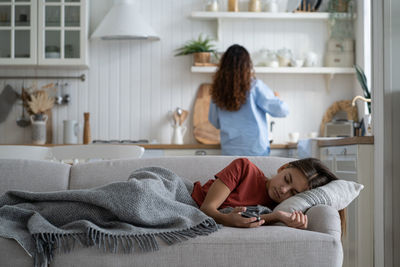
(216, 195)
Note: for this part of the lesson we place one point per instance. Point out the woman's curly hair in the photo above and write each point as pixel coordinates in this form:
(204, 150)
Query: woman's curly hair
(232, 80)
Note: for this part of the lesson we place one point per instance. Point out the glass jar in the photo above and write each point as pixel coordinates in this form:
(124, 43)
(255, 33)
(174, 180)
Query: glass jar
(255, 5)
(212, 6)
(233, 5)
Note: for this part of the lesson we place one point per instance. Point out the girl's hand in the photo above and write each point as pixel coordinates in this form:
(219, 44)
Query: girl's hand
(295, 219)
(235, 219)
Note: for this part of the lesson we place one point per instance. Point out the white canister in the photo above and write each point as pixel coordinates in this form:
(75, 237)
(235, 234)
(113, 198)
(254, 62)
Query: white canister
(177, 135)
(39, 130)
(71, 128)
(212, 6)
(272, 6)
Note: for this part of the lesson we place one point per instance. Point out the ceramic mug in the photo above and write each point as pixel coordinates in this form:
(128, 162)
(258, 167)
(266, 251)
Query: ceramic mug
(294, 137)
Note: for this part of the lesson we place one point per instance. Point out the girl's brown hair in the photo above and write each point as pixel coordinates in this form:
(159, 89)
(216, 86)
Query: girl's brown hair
(318, 175)
(232, 80)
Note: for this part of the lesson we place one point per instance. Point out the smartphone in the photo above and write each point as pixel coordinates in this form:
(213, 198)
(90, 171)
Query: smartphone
(247, 214)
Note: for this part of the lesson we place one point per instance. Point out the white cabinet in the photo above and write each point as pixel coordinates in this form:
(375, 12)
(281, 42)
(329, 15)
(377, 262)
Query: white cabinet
(62, 32)
(43, 32)
(355, 163)
(18, 24)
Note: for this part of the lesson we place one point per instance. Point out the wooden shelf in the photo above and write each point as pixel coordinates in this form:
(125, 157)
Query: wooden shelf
(259, 15)
(285, 70)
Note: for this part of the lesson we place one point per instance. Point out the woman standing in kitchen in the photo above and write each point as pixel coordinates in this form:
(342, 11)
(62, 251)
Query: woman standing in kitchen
(239, 103)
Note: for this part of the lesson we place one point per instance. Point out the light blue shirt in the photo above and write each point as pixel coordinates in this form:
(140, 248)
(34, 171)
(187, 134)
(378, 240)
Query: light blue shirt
(245, 132)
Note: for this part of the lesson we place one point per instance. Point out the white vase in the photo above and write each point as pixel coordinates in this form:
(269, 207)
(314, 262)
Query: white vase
(39, 130)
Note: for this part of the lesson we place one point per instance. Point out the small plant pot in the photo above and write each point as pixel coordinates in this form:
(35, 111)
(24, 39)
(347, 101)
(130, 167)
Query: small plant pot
(202, 57)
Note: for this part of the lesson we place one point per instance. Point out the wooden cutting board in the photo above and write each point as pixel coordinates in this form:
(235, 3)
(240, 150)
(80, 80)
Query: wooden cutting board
(204, 132)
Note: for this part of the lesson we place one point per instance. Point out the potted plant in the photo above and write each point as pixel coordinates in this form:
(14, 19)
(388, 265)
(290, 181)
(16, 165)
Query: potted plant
(367, 119)
(200, 48)
(364, 85)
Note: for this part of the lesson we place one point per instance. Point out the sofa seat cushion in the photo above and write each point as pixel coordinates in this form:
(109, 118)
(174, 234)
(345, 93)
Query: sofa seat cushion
(33, 175)
(263, 246)
(13, 255)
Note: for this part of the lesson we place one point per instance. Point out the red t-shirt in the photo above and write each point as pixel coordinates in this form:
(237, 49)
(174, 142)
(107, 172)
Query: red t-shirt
(246, 182)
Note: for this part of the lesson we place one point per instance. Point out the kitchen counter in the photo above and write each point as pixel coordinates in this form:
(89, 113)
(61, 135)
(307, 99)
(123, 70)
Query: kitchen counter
(357, 140)
(171, 146)
(198, 146)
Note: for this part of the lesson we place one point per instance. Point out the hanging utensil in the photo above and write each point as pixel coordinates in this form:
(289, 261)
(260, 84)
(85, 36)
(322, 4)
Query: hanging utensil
(183, 117)
(177, 116)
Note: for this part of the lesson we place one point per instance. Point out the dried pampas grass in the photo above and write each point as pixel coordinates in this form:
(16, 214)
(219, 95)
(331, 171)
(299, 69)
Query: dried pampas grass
(40, 102)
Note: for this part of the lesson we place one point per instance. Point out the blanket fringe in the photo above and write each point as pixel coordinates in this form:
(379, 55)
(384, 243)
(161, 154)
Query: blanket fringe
(47, 243)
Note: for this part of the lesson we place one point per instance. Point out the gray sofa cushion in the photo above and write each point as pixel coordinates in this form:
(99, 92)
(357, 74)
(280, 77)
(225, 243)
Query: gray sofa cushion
(13, 255)
(196, 168)
(265, 246)
(33, 175)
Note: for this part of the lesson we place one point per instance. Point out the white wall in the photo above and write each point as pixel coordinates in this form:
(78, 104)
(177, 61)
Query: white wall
(132, 85)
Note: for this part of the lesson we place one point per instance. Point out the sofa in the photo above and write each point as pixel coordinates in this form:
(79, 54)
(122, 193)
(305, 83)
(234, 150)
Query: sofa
(276, 245)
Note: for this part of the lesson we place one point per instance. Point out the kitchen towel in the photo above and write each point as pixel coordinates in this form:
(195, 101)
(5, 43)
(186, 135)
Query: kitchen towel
(7, 99)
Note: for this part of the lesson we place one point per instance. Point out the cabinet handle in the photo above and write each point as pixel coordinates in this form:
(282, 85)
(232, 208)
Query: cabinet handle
(200, 153)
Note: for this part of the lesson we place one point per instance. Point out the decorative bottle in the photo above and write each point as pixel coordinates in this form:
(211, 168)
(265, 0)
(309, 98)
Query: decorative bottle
(86, 129)
(255, 6)
(233, 5)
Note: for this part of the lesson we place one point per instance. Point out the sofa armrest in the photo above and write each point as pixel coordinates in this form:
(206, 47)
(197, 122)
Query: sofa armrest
(324, 219)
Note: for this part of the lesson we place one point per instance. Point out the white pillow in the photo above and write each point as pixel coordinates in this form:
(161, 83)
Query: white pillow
(337, 194)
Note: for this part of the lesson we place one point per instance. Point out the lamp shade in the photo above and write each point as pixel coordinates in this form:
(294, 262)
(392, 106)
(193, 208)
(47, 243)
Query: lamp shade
(123, 22)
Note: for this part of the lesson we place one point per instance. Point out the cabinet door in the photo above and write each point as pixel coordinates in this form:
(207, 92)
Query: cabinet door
(62, 32)
(18, 25)
(345, 162)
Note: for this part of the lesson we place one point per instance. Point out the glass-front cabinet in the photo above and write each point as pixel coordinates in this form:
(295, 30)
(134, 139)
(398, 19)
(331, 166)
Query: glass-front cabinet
(62, 32)
(18, 23)
(43, 32)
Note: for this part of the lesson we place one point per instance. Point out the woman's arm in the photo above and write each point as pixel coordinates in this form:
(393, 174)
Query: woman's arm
(216, 195)
(269, 101)
(295, 219)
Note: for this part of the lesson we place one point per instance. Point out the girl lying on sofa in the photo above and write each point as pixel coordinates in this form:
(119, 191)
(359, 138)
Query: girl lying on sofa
(243, 184)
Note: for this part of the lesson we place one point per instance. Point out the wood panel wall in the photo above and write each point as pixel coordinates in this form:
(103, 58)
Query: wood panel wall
(132, 86)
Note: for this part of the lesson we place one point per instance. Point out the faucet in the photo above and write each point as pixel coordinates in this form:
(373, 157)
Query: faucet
(353, 103)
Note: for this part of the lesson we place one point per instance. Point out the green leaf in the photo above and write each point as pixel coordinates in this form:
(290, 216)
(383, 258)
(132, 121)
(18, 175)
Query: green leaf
(198, 45)
(363, 81)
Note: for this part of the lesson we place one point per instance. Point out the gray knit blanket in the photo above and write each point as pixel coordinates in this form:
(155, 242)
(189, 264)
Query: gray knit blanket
(153, 204)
